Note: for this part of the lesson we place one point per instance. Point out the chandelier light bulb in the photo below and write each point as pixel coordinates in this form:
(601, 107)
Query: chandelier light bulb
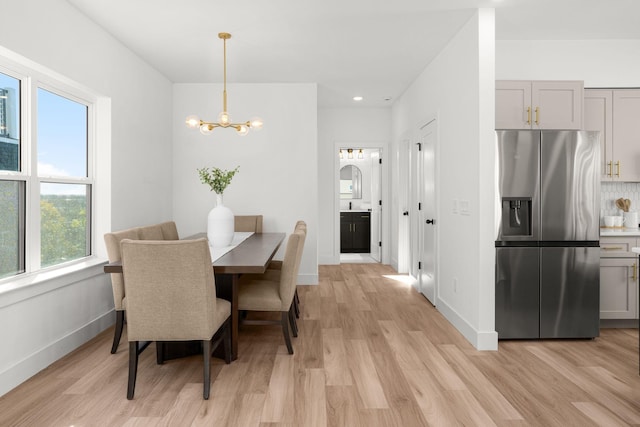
(206, 129)
(224, 118)
(192, 121)
(243, 130)
(256, 123)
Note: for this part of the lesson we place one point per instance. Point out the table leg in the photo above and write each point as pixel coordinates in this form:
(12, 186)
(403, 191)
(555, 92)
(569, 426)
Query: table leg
(227, 288)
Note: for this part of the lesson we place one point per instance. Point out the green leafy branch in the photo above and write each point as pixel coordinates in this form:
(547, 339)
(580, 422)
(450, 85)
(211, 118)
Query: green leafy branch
(216, 178)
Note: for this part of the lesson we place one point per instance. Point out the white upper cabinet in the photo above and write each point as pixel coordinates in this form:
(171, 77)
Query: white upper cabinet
(523, 104)
(616, 114)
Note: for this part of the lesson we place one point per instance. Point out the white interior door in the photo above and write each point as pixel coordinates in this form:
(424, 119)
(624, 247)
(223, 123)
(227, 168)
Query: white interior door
(376, 207)
(427, 223)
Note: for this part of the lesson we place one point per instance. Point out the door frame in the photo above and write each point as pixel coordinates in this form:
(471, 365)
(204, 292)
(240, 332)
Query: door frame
(383, 149)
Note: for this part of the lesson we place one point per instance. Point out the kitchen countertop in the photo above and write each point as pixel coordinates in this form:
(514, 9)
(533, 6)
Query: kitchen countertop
(359, 210)
(636, 250)
(619, 232)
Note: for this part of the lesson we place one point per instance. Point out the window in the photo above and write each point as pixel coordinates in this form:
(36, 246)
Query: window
(46, 178)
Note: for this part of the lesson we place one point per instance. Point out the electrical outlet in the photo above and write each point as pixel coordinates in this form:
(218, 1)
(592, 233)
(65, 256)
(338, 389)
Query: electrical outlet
(455, 285)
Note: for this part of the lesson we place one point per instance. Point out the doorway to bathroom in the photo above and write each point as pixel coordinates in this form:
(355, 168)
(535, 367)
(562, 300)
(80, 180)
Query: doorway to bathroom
(360, 198)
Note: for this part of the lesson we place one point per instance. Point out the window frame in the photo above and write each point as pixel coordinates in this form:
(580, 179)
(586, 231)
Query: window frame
(33, 77)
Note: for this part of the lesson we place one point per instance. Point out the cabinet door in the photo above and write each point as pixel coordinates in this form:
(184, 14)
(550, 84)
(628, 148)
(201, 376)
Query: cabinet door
(362, 233)
(557, 104)
(513, 104)
(618, 288)
(626, 131)
(598, 115)
(345, 233)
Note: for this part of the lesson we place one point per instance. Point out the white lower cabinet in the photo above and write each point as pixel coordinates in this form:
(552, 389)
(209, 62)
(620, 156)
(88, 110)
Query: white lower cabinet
(618, 278)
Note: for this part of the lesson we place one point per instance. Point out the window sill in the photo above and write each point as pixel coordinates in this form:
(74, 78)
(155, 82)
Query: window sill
(25, 286)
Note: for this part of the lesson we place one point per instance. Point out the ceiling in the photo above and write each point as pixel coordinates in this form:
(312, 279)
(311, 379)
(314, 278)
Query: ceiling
(372, 48)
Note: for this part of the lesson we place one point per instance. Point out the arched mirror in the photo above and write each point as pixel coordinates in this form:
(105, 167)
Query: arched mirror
(350, 182)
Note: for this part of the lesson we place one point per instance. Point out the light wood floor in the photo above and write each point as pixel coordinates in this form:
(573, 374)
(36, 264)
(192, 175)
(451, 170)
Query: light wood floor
(371, 352)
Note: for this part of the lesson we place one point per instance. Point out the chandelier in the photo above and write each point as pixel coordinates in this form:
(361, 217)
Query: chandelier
(224, 120)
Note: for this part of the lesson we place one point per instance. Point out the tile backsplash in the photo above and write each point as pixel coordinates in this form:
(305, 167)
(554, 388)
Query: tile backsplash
(610, 191)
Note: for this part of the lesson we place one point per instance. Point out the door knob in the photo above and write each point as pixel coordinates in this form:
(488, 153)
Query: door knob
(431, 221)
(405, 213)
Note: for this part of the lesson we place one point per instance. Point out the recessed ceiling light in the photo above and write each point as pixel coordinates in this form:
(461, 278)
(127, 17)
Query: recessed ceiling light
(358, 98)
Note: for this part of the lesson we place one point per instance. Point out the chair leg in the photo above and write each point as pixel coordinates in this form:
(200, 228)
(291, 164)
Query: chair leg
(292, 321)
(206, 356)
(296, 304)
(118, 332)
(133, 368)
(285, 330)
(160, 347)
(227, 341)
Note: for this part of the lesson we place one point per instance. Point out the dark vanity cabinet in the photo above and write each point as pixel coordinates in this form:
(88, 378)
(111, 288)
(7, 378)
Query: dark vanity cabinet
(355, 232)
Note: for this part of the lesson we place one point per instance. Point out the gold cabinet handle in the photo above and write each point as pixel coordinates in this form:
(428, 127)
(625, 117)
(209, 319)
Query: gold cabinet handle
(528, 115)
(613, 248)
(537, 115)
(618, 168)
(635, 272)
(610, 173)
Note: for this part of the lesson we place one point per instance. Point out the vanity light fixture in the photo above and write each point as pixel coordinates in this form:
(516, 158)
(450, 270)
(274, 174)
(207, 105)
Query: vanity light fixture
(341, 156)
(224, 120)
(350, 153)
(360, 155)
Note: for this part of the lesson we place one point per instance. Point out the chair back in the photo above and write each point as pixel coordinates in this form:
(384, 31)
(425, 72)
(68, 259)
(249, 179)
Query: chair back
(112, 243)
(291, 266)
(248, 223)
(170, 290)
(169, 230)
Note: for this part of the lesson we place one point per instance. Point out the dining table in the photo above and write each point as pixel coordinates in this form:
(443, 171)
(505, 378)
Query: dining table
(252, 255)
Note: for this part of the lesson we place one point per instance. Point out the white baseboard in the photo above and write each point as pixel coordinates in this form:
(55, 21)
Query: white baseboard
(481, 340)
(31, 365)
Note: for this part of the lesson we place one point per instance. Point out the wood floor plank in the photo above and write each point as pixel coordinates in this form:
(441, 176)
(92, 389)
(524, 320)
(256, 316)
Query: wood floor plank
(494, 402)
(365, 375)
(599, 415)
(336, 365)
(371, 352)
(278, 405)
(628, 411)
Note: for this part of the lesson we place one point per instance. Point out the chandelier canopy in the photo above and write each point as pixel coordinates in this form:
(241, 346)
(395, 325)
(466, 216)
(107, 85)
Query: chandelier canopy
(224, 120)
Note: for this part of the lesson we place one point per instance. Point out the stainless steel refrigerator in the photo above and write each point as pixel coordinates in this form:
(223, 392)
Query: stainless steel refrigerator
(547, 243)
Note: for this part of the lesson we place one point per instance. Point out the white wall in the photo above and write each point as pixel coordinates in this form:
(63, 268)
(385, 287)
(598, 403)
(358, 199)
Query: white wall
(361, 127)
(278, 175)
(600, 63)
(457, 89)
(51, 317)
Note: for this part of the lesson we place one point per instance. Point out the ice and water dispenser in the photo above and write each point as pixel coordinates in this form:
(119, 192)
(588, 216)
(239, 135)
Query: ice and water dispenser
(516, 216)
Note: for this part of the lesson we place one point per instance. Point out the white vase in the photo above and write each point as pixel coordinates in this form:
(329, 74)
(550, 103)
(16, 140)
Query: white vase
(220, 225)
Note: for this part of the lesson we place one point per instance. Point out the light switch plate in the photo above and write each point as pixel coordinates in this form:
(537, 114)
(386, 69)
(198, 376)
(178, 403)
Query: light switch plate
(465, 208)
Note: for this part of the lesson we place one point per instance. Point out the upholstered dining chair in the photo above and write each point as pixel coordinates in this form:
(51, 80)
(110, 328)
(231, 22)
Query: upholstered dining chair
(171, 296)
(163, 231)
(248, 223)
(112, 243)
(274, 292)
(273, 270)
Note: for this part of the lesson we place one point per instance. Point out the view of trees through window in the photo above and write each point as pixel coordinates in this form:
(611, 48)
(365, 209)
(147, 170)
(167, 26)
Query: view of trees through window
(61, 178)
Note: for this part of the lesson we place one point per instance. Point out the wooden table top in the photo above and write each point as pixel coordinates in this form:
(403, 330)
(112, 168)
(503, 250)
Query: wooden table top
(253, 255)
